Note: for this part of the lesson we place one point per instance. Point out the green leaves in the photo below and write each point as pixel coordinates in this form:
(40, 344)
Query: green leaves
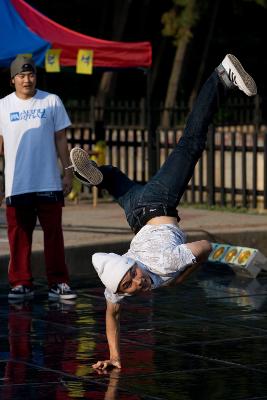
(180, 19)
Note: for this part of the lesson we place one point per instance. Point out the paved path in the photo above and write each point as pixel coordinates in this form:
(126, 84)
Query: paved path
(85, 225)
(205, 340)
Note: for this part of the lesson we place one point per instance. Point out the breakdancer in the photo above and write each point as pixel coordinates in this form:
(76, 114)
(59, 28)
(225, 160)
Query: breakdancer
(159, 254)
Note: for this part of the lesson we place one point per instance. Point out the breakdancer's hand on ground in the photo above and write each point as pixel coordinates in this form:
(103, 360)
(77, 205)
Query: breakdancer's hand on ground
(103, 365)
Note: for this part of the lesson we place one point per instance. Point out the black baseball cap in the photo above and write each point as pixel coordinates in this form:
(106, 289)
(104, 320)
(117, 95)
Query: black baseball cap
(22, 64)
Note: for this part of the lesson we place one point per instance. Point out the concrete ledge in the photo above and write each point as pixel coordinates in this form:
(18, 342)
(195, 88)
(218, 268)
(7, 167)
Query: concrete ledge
(78, 258)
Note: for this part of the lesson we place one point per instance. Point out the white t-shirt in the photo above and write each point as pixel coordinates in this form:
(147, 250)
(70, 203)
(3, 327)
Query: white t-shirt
(161, 252)
(28, 128)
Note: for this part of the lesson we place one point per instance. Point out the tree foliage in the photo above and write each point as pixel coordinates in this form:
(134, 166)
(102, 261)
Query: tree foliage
(239, 29)
(179, 23)
(179, 20)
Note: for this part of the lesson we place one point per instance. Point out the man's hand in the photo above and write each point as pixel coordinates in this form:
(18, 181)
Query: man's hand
(67, 184)
(63, 153)
(103, 365)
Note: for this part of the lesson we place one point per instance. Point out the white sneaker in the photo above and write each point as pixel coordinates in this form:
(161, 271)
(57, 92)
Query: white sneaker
(238, 76)
(85, 169)
(61, 291)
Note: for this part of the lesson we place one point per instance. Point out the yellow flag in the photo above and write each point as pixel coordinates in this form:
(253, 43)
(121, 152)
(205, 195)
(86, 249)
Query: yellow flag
(26, 55)
(84, 62)
(52, 63)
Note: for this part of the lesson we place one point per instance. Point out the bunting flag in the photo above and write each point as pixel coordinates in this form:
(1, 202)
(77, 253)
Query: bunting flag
(26, 55)
(84, 62)
(52, 63)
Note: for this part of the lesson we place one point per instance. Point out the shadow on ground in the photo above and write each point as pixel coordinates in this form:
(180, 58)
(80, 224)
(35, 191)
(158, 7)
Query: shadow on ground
(203, 340)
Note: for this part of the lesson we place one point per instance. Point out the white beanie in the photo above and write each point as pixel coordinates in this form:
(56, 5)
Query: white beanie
(111, 268)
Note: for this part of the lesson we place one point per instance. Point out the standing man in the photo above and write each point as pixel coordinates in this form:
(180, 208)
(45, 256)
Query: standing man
(32, 126)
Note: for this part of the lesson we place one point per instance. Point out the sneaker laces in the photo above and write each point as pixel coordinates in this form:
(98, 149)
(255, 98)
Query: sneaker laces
(70, 166)
(64, 286)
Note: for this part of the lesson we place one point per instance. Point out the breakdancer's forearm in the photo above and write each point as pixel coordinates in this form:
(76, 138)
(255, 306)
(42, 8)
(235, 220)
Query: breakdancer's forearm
(113, 337)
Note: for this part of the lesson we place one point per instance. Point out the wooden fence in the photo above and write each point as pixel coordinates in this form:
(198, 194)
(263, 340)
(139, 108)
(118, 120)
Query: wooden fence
(232, 170)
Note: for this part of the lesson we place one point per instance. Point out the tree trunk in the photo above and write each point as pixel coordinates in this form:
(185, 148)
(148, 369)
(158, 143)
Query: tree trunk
(205, 54)
(107, 82)
(174, 81)
(184, 36)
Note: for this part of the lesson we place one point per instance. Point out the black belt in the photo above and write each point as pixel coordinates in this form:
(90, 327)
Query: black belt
(149, 212)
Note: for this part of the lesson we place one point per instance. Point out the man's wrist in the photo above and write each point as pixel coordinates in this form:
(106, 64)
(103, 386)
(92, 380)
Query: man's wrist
(115, 359)
(68, 171)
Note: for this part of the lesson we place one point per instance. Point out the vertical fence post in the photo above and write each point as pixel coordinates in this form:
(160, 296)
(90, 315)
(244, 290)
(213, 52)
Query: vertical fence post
(257, 120)
(152, 149)
(211, 166)
(254, 168)
(222, 166)
(233, 169)
(244, 169)
(257, 112)
(92, 112)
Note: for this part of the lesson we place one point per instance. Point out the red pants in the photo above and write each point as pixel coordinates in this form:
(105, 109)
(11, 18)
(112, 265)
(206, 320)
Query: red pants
(21, 222)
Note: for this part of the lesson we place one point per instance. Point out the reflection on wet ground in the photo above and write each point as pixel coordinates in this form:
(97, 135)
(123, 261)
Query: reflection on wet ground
(205, 340)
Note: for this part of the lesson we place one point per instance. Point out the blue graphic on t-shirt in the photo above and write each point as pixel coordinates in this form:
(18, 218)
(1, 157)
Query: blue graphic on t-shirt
(28, 114)
(14, 116)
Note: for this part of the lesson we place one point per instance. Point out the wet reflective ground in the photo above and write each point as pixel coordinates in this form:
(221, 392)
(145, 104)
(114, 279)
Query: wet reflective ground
(204, 340)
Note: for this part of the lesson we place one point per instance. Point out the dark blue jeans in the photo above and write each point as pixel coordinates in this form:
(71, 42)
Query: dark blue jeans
(165, 189)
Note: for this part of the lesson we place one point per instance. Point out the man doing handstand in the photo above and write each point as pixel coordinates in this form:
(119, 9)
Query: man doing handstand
(158, 254)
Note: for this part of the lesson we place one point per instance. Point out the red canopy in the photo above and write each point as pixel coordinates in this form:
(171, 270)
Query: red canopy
(107, 54)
